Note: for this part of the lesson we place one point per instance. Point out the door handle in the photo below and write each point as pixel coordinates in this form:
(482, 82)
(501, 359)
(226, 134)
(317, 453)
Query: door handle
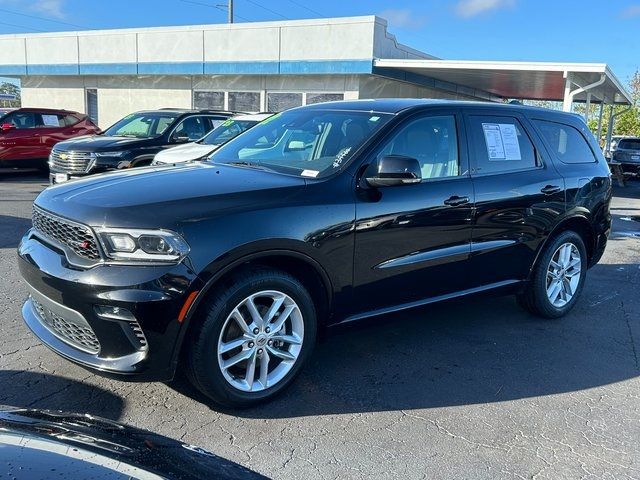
(455, 200)
(551, 189)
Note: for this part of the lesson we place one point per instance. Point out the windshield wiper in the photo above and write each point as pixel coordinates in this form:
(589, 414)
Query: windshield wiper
(250, 165)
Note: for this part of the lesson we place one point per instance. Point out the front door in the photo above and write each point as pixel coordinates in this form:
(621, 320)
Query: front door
(412, 242)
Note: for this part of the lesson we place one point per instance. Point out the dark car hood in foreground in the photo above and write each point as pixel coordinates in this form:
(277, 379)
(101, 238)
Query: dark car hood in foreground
(97, 143)
(39, 444)
(152, 196)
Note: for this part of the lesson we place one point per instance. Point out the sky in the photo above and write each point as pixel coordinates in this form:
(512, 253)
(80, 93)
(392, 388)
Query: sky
(521, 30)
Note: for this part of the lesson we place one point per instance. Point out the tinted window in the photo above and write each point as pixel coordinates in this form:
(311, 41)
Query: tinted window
(23, 119)
(244, 101)
(278, 102)
(433, 141)
(192, 127)
(208, 100)
(566, 142)
(70, 120)
(629, 144)
(500, 144)
(323, 97)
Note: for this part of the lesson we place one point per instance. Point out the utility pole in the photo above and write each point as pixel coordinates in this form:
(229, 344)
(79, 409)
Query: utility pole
(230, 8)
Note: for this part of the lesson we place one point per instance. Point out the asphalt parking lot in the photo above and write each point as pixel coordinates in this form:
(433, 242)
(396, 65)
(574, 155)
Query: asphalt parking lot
(471, 389)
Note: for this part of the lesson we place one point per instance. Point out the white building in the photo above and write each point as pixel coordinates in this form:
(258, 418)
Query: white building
(269, 66)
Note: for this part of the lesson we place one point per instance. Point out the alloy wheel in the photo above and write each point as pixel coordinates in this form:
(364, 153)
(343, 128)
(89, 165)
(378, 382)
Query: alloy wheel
(563, 275)
(260, 341)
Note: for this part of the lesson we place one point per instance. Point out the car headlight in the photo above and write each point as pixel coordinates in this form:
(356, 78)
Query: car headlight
(114, 154)
(161, 246)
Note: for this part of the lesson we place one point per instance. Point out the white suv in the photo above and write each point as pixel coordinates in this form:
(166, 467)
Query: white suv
(206, 145)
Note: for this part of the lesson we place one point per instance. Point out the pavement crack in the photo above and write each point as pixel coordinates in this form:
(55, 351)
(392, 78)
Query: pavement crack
(625, 314)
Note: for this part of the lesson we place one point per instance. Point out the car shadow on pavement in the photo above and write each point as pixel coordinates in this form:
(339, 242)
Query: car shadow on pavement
(12, 229)
(57, 393)
(470, 351)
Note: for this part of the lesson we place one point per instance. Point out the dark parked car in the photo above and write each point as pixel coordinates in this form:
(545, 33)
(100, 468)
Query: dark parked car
(41, 445)
(28, 134)
(627, 153)
(319, 215)
(131, 142)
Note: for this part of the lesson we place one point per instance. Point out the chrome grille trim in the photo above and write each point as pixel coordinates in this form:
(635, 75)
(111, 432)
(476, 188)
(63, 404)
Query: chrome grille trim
(71, 162)
(80, 336)
(75, 236)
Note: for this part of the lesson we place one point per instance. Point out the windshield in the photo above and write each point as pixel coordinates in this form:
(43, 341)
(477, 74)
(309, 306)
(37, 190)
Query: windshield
(310, 143)
(142, 125)
(226, 131)
(629, 144)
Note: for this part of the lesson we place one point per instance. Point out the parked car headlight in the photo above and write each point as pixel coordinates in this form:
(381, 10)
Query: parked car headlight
(143, 245)
(114, 154)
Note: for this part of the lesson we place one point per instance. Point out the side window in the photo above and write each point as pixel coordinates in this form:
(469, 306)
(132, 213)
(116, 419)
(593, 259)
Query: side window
(192, 127)
(51, 121)
(566, 142)
(22, 120)
(500, 144)
(433, 141)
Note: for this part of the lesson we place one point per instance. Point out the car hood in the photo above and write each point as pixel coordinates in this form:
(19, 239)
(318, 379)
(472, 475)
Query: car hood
(184, 153)
(39, 444)
(162, 196)
(96, 143)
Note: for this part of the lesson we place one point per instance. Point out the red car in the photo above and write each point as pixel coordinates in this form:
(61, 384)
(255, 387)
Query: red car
(28, 134)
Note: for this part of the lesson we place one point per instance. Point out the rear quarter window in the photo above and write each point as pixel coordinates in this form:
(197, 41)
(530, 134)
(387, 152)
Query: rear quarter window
(566, 142)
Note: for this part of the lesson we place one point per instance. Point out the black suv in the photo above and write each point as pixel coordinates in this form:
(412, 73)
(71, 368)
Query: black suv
(131, 142)
(627, 154)
(320, 215)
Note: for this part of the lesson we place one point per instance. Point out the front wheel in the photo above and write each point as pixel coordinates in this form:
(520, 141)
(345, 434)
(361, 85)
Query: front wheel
(558, 277)
(255, 336)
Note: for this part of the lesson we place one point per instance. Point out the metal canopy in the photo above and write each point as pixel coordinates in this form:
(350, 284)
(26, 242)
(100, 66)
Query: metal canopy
(521, 80)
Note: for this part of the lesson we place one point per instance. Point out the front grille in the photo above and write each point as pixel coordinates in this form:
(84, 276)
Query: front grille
(81, 337)
(71, 162)
(78, 238)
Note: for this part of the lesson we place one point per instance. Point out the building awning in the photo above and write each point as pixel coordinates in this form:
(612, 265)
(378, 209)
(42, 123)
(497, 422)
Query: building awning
(564, 82)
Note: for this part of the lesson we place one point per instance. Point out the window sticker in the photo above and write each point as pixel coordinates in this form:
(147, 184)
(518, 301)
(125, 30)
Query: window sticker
(502, 141)
(310, 173)
(226, 123)
(50, 121)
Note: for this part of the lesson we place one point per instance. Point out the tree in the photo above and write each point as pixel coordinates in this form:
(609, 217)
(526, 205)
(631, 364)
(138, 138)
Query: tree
(11, 89)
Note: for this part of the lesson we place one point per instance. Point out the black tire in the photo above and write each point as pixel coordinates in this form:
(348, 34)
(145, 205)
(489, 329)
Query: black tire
(534, 297)
(203, 369)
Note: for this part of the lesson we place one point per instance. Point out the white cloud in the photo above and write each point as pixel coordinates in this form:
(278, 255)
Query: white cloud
(45, 8)
(471, 8)
(631, 11)
(403, 18)
(51, 8)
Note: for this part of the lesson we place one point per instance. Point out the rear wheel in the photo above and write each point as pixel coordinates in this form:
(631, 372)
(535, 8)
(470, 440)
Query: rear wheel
(254, 339)
(558, 278)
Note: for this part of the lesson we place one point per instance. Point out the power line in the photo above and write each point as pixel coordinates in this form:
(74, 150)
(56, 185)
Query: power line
(315, 12)
(22, 26)
(41, 18)
(223, 9)
(267, 9)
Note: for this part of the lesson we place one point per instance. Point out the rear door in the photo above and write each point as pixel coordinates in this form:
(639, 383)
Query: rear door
(519, 195)
(412, 242)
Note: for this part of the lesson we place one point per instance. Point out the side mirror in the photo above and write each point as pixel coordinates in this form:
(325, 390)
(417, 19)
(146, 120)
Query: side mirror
(395, 170)
(181, 139)
(5, 127)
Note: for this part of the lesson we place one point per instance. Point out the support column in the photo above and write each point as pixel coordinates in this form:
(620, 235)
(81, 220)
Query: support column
(587, 107)
(599, 131)
(607, 143)
(568, 100)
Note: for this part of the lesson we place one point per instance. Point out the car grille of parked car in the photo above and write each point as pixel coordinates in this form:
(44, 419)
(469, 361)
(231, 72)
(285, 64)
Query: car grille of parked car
(79, 238)
(71, 162)
(81, 337)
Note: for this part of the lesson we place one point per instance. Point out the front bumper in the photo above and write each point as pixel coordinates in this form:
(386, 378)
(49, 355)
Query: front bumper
(64, 311)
